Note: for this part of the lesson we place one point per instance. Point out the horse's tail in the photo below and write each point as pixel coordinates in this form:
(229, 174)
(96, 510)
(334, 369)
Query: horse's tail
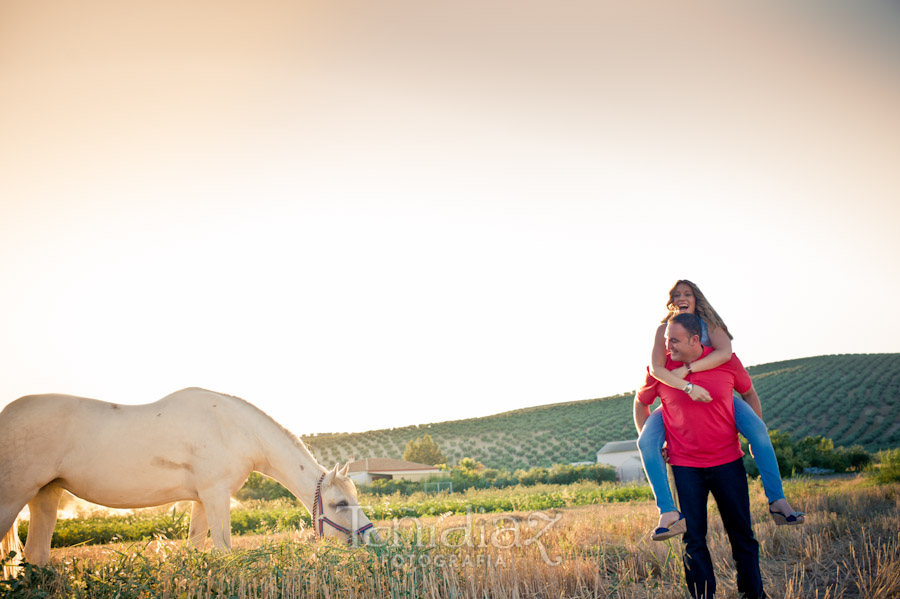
(11, 543)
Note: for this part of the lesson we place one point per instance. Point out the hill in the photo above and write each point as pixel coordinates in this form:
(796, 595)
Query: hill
(852, 399)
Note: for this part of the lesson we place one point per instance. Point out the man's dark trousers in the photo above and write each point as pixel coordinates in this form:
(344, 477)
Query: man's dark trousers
(728, 484)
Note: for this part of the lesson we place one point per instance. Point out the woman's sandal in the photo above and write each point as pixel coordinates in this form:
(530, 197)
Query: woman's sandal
(676, 528)
(792, 519)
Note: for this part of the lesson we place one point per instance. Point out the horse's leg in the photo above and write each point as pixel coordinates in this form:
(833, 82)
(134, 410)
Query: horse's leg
(9, 538)
(217, 505)
(14, 495)
(199, 526)
(43, 510)
(8, 515)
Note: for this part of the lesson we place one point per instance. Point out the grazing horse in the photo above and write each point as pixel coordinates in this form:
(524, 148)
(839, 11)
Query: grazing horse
(194, 445)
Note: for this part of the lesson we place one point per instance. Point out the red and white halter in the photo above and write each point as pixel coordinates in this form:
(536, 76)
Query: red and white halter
(319, 520)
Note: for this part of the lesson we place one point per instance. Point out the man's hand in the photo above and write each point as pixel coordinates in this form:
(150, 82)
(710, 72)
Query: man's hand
(698, 393)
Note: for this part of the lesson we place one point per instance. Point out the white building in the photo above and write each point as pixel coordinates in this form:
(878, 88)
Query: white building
(363, 472)
(625, 457)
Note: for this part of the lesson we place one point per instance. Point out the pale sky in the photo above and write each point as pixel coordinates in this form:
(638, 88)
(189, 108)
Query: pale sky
(368, 214)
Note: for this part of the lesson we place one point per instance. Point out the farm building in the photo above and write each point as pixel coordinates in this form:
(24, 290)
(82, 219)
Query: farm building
(626, 458)
(365, 471)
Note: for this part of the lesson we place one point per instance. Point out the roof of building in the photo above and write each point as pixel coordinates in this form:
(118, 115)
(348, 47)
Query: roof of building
(619, 446)
(387, 465)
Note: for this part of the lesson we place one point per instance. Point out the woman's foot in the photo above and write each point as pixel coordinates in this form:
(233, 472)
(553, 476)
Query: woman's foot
(783, 514)
(667, 519)
(670, 525)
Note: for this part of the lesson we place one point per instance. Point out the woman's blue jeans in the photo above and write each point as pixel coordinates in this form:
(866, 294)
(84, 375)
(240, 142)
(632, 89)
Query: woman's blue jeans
(653, 435)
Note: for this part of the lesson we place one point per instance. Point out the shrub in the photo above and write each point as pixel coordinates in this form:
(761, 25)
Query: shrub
(262, 487)
(533, 476)
(888, 470)
(856, 458)
(810, 452)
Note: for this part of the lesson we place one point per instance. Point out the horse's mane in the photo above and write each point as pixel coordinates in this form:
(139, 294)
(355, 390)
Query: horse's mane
(294, 438)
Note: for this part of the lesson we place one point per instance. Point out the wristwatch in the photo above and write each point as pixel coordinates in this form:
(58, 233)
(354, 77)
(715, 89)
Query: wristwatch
(688, 388)
(688, 366)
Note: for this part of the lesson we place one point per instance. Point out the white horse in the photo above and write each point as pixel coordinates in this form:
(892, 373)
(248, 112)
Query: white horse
(194, 445)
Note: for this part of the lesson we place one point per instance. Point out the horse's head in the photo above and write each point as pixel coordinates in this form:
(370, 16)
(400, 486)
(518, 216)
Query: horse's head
(336, 511)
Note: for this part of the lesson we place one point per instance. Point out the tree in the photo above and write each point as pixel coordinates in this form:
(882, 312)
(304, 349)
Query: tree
(424, 451)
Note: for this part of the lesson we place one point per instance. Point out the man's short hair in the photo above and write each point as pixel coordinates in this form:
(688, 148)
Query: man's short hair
(690, 322)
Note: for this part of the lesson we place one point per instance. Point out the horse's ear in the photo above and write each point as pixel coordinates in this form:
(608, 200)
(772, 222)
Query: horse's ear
(345, 469)
(329, 477)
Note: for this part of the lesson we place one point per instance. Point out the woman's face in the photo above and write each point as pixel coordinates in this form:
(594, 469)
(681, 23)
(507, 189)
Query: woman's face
(683, 299)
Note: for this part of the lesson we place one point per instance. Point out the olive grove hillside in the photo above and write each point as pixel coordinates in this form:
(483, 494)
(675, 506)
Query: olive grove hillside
(851, 399)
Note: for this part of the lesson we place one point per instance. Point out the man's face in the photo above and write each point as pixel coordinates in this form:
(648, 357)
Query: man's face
(681, 347)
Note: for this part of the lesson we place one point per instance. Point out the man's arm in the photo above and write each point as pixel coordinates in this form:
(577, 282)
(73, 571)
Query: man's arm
(641, 413)
(752, 398)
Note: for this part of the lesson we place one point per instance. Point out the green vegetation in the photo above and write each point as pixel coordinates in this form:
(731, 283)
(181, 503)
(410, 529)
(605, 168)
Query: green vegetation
(469, 474)
(262, 517)
(522, 439)
(888, 468)
(269, 507)
(848, 548)
(262, 487)
(851, 399)
(810, 453)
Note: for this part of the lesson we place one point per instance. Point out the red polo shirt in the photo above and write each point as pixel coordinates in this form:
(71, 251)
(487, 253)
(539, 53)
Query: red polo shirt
(700, 434)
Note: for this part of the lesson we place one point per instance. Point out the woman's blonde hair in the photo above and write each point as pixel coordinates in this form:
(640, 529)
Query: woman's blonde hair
(701, 307)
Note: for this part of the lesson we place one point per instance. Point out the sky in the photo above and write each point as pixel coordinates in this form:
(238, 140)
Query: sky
(370, 214)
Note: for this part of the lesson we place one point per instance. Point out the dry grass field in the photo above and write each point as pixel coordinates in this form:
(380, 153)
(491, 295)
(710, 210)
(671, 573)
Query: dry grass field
(850, 548)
